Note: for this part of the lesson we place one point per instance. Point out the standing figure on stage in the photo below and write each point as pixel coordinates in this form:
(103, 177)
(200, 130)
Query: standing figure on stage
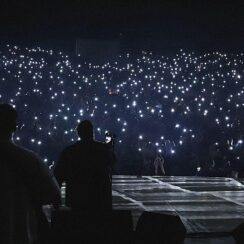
(159, 164)
(85, 167)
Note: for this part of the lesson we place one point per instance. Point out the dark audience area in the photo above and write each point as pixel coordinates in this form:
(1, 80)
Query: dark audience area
(50, 149)
(184, 107)
(121, 122)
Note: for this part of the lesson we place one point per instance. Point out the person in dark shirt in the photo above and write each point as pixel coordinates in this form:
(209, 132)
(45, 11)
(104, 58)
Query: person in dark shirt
(85, 167)
(25, 185)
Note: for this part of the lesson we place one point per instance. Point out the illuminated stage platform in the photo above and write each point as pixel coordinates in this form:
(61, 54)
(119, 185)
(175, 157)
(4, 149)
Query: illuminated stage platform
(204, 204)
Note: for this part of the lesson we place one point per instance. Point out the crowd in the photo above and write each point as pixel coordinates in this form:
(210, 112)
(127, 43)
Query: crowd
(186, 108)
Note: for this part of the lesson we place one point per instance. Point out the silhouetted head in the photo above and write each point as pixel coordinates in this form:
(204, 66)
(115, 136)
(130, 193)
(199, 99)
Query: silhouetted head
(85, 130)
(8, 120)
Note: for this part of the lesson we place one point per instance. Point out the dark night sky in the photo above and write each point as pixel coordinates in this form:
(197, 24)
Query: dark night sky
(182, 23)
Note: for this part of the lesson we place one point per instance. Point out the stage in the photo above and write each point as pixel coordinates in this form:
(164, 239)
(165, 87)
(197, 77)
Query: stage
(204, 204)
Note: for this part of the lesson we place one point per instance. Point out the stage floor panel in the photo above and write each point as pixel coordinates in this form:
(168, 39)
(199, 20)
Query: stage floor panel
(204, 204)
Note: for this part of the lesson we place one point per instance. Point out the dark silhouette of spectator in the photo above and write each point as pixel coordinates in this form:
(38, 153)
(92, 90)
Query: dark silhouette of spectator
(25, 186)
(85, 167)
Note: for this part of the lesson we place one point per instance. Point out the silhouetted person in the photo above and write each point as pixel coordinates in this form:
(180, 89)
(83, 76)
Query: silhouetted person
(86, 168)
(159, 164)
(25, 184)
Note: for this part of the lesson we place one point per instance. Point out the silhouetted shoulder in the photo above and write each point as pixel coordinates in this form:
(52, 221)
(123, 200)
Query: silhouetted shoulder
(32, 170)
(23, 156)
(79, 145)
(25, 153)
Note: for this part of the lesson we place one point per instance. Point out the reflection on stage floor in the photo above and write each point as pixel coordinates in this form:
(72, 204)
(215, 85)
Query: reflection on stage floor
(204, 204)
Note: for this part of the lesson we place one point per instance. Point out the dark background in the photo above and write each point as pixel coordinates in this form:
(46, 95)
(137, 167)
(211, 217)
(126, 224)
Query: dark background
(152, 25)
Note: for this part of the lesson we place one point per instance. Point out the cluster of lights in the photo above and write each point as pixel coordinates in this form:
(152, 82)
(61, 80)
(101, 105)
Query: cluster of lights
(148, 101)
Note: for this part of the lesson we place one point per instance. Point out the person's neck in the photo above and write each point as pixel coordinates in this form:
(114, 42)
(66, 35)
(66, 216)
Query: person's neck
(88, 139)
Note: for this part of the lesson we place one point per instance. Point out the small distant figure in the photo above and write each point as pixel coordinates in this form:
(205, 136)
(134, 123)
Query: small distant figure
(148, 156)
(159, 165)
(85, 167)
(25, 184)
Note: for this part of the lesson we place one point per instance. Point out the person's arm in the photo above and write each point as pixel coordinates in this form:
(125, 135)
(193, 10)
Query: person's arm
(162, 166)
(50, 190)
(111, 158)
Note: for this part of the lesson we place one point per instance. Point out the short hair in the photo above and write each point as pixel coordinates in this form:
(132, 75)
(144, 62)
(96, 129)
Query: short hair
(85, 129)
(8, 118)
